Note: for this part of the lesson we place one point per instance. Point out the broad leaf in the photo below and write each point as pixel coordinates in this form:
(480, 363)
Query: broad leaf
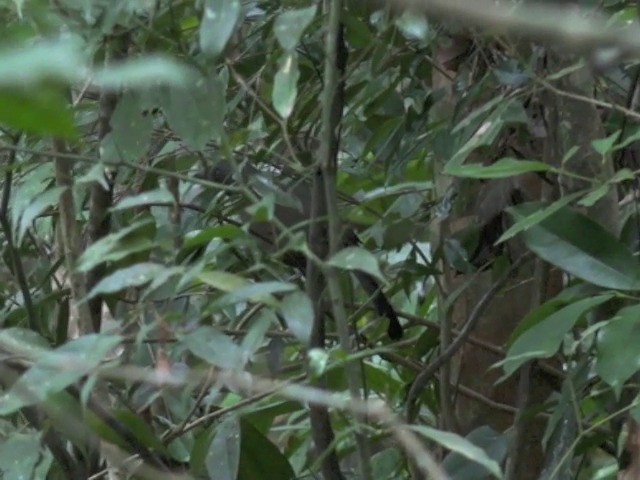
(591, 198)
(130, 133)
(614, 363)
(285, 85)
(150, 197)
(261, 292)
(133, 276)
(223, 458)
(604, 145)
(461, 446)
(36, 207)
(543, 339)
(254, 338)
(258, 455)
(214, 347)
(355, 258)
(57, 369)
(31, 65)
(289, 26)
(580, 246)
(536, 217)
(493, 443)
(219, 18)
(297, 310)
(149, 71)
(224, 281)
(43, 111)
(23, 456)
(22, 342)
(505, 167)
(114, 246)
(204, 99)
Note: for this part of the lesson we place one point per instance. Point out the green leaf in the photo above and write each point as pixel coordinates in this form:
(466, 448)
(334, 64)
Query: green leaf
(505, 167)
(289, 26)
(262, 210)
(483, 111)
(536, 316)
(615, 362)
(398, 189)
(147, 71)
(285, 84)
(258, 455)
(46, 61)
(139, 428)
(219, 19)
(493, 443)
(130, 133)
(254, 338)
(624, 174)
(263, 415)
(198, 238)
(204, 99)
(461, 446)
(36, 207)
(543, 339)
(95, 174)
(590, 199)
(22, 342)
(110, 247)
(34, 182)
(133, 276)
(223, 458)
(509, 111)
(224, 281)
(536, 217)
(259, 292)
(580, 246)
(57, 369)
(23, 456)
(150, 197)
(297, 310)
(355, 258)
(162, 277)
(42, 111)
(214, 347)
(67, 415)
(605, 145)
(135, 424)
(357, 31)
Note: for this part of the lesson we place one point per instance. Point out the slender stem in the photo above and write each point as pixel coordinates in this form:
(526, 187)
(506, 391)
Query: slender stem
(446, 328)
(71, 241)
(332, 107)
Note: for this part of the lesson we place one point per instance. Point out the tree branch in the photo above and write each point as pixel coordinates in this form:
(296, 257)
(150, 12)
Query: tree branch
(70, 235)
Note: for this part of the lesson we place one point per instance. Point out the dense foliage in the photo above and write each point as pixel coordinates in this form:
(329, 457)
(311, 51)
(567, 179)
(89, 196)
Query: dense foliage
(191, 188)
